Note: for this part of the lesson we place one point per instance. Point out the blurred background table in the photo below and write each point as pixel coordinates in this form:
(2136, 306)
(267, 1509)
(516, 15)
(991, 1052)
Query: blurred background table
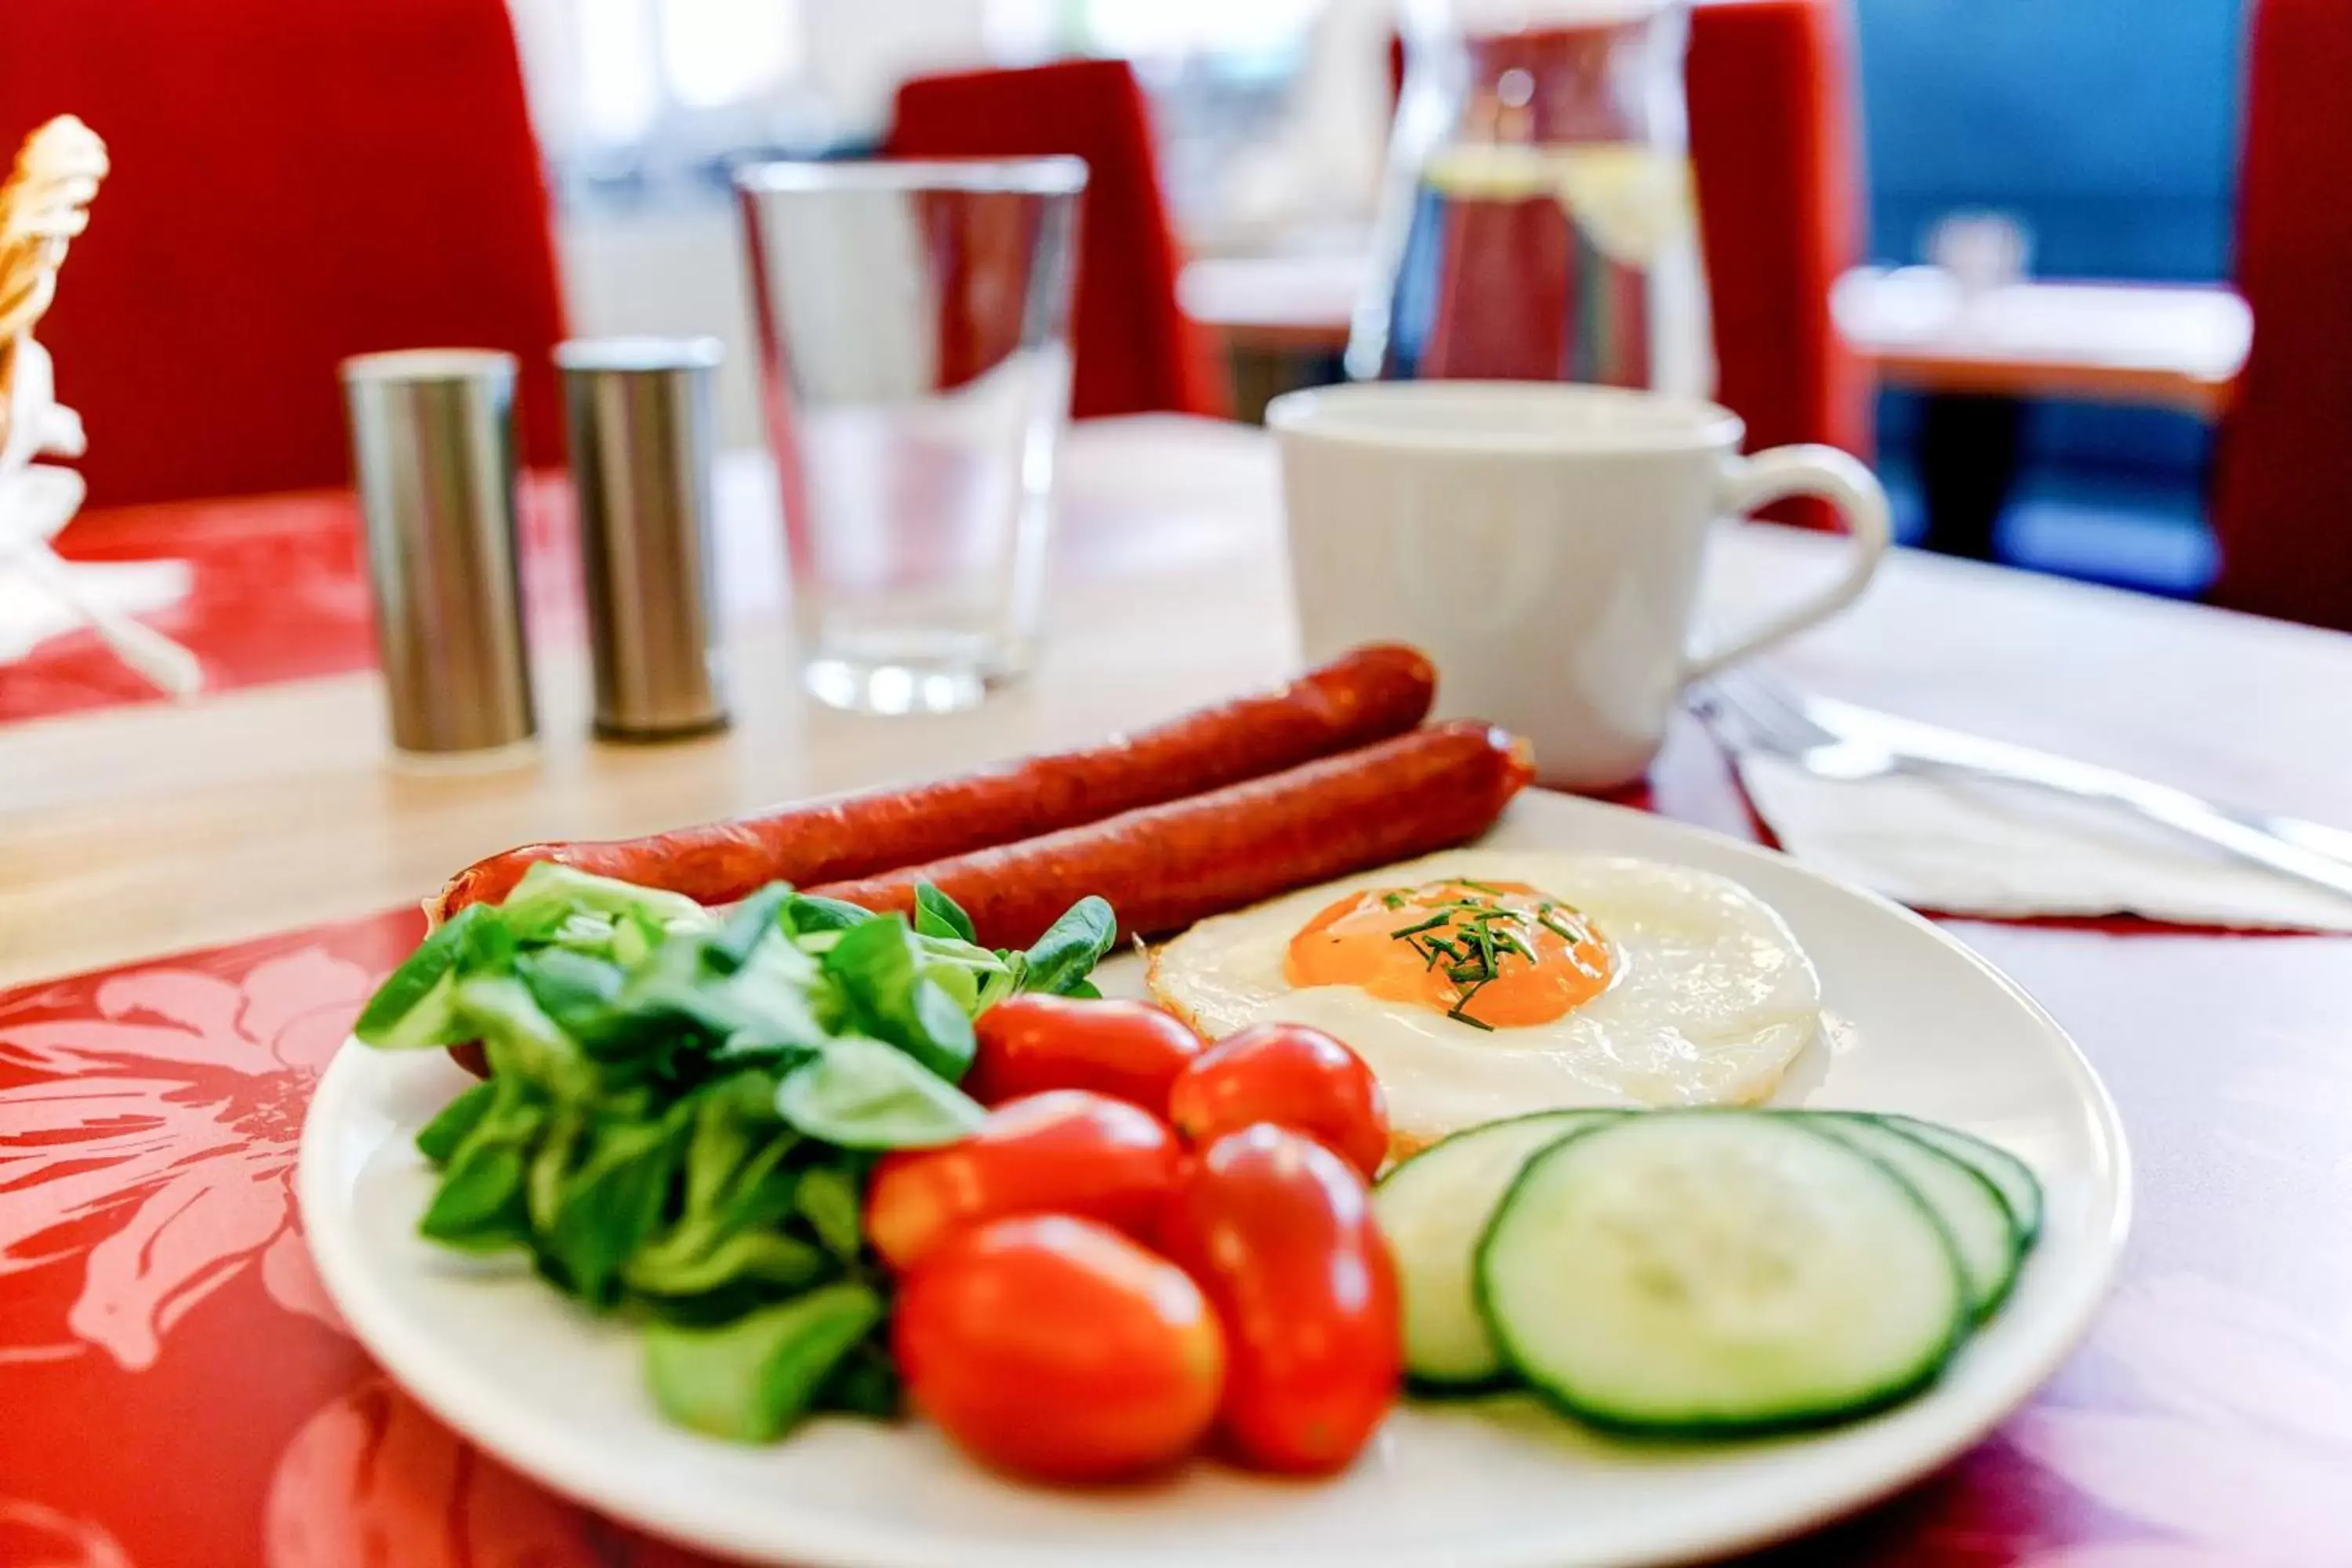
(2168, 345)
(1981, 357)
(1276, 304)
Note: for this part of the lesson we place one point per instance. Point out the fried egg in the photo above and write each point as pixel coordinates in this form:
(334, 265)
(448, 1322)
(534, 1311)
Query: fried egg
(1488, 982)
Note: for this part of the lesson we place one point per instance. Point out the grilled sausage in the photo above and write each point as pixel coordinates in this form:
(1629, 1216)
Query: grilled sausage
(1363, 696)
(1166, 866)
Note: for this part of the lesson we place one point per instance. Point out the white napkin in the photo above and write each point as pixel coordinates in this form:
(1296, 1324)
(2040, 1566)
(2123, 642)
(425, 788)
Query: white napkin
(1978, 847)
(42, 595)
(30, 614)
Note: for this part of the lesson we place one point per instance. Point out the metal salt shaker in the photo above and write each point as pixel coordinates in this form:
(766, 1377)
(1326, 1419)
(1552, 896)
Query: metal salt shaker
(433, 448)
(642, 432)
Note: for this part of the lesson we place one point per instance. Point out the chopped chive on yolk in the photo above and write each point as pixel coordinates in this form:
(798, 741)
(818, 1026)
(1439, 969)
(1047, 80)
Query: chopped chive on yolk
(1498, 955)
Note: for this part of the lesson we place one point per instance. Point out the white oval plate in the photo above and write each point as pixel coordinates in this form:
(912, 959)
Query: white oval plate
(1919, 1024)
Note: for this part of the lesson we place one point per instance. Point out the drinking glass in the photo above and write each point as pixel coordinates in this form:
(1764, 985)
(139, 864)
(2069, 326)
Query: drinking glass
(915, 371)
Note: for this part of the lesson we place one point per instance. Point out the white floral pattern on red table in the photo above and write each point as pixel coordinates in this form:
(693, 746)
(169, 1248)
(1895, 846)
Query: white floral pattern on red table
(32, 1536)
(157, 1302)
(178, 1390)
(167, 1122)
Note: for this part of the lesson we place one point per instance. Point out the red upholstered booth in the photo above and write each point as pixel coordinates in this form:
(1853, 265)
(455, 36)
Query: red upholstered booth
(1135, 351)
(1775, 153)
(293, 182)
(2282, 483)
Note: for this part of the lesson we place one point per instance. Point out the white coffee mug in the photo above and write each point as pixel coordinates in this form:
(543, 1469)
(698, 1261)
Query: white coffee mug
(1542, 544)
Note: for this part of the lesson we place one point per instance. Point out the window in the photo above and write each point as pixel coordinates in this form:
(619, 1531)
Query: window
(630, 91)
(1148, 30)
(718, 52)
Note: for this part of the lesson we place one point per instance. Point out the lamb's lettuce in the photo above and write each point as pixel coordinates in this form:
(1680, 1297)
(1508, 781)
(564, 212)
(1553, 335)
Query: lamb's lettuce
(685, 1103)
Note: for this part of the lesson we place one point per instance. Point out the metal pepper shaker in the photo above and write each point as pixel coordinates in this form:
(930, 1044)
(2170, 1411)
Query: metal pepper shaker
(433, 447)
(643, 440)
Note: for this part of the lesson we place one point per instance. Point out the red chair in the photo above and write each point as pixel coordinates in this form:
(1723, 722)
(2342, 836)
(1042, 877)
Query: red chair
(1774, 150)
(1774, 145)
(293, 182)
(2282, 483)
(1135, 351)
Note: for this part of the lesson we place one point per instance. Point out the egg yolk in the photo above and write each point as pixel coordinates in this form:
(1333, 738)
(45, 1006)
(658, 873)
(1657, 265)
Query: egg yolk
(1500, 955)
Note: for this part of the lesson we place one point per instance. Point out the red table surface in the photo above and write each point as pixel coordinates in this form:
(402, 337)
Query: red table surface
(176, 1389)
(294, 557)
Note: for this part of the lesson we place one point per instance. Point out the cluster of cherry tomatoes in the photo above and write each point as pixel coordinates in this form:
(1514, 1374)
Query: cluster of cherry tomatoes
(1148, 1241)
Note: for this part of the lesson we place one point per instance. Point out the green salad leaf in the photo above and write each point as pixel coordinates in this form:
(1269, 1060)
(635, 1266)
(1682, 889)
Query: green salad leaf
(808, 915)
(551, 897)
(751, 1379)
(829, 1199)
(416, 1006)
(684, 1105)
(480, 1202)
(440, 1138)
(881, 970)
(609, 1204)
(864, 1094)
(866, 1384)
(935, 914)
(1070, 949)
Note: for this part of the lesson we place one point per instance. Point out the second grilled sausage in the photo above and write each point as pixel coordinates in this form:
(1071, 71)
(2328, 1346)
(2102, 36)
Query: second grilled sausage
(1164, 866)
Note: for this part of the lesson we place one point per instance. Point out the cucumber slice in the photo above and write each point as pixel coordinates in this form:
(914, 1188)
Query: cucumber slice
(1709, 1272)
(1985, 1239)
(1431, 1208)
(2010, 1177)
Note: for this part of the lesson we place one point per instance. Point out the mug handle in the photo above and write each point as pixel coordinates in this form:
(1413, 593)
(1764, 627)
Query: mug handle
(1824, 471)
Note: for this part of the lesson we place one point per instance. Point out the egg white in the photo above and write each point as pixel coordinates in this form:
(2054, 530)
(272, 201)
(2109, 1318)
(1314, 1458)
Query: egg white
(1711, 998)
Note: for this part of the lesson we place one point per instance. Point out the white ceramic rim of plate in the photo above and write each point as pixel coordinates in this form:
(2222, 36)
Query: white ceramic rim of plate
(1956, 1415)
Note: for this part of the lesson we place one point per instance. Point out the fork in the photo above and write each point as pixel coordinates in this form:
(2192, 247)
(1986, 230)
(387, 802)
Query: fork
(1834, 741)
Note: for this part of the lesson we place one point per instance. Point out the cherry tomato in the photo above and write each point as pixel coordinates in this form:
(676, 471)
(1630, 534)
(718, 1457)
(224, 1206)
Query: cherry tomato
(1056, 1348)
(1289, 1075)
(1064, 1153)
(1129, 1050)
(1278, 1231)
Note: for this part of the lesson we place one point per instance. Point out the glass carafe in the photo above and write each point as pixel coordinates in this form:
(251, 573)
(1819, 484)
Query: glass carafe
(1539, 222)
